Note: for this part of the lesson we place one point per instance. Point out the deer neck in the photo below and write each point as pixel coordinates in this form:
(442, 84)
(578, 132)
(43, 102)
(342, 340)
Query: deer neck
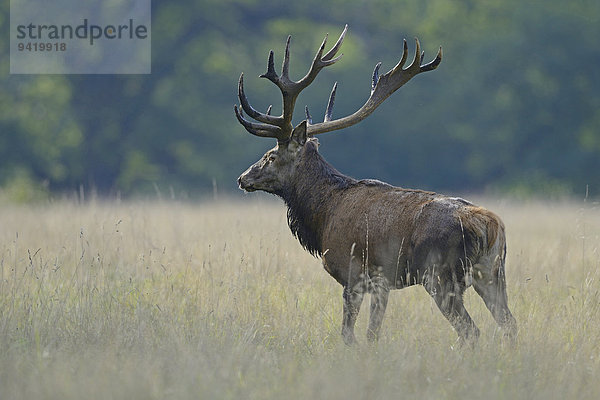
(310, 196)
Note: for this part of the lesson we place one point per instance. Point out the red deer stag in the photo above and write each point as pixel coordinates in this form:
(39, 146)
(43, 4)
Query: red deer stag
(371, 236)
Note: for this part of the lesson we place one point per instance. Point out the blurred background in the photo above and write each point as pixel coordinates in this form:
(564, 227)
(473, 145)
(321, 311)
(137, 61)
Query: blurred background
(514, 108)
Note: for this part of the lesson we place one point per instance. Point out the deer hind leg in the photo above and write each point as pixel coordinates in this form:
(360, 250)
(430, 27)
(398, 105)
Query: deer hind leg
(490, 284)
(353, 297)
(379, 298)
(445, 280)
(448, 295)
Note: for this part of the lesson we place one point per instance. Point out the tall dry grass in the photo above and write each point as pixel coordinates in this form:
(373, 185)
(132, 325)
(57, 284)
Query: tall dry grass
(165, 300)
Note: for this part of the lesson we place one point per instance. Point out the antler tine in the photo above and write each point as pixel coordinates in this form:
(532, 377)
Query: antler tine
(262, 130)
(285, 67)
(416, 63)
(319, 55)
(375, 78)
(404, 56)
(331, 53)
(329, 110)
(271, 74)
(308, 117)
(266, 118)
(416, 60)
(430, 66)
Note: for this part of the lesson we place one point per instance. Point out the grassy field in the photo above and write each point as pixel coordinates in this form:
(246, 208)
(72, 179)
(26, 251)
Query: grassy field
(168, 300)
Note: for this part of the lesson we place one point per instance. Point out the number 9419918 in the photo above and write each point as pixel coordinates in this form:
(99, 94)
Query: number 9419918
(35, 46)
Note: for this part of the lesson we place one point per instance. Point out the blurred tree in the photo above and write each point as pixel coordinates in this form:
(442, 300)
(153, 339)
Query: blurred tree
(514, 104)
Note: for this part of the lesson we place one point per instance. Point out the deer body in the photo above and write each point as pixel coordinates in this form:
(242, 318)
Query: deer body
(373, 237)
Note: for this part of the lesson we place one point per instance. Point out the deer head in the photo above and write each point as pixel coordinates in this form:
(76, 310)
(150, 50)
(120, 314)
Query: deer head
(277, 166)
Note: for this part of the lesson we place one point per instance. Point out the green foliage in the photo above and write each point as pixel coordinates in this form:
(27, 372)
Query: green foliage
(21, 188)
(514, 103)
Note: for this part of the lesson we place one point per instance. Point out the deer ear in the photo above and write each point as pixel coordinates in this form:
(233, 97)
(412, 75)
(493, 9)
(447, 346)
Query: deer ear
(299, 133)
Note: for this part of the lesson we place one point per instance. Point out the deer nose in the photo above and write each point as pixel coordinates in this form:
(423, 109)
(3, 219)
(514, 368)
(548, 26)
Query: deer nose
(241, 184)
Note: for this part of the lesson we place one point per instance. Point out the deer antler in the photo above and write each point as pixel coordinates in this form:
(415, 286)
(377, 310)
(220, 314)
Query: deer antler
(280, 127)
(381, 88)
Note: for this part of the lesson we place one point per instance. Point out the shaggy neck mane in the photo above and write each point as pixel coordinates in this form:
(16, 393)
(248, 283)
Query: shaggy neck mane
(308, 197)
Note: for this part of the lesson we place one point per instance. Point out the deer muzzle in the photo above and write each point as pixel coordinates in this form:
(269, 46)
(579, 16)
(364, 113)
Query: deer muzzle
(244, 184)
